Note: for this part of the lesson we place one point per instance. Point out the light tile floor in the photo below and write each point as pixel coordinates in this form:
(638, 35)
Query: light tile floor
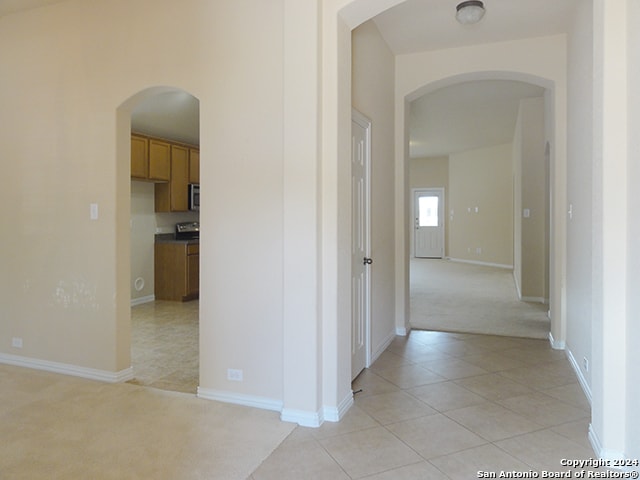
(447, 405)
(164, 345)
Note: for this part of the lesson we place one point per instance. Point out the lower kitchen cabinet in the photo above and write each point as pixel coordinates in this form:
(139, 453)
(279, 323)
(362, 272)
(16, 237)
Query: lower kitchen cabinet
(177, 271)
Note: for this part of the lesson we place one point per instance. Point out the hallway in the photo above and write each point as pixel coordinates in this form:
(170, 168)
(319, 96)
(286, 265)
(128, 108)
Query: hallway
(445, 406)
(463, 297)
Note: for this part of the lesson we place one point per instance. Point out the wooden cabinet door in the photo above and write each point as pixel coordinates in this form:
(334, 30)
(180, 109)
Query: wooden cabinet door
(139, 157)
(179, 178)
(193, 275)
(194, 165)
(159, 160)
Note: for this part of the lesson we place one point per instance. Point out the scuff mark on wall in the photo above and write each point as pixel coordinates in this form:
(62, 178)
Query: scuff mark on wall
(76, 294)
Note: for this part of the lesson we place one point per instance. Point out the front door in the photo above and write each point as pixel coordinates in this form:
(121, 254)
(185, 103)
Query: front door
(360, 263)
(428, 208)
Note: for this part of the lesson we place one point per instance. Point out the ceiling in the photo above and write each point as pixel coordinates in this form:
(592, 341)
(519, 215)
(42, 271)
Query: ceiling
(174, 115)
(473, 114)
(455, 118)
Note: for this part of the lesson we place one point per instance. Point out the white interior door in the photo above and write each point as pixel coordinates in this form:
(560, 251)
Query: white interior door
(360, 261)
(428, 208)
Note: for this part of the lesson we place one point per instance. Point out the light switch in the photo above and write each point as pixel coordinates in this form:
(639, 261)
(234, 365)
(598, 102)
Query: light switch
(526, 213)
(93, 211)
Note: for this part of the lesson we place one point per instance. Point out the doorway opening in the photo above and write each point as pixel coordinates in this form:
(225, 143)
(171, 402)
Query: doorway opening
(165, 131)
(495, 187)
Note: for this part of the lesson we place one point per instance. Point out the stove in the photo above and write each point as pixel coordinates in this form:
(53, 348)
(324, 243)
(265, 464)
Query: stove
(188, 231)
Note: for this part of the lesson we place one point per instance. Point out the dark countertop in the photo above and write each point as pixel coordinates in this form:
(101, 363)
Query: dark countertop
(171, 238)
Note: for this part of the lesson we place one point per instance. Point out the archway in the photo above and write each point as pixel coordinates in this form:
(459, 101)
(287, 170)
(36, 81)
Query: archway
(544, 65)
(168, 117)
(509, 159)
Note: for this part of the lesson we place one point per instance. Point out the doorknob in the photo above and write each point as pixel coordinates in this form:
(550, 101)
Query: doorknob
(368, 261)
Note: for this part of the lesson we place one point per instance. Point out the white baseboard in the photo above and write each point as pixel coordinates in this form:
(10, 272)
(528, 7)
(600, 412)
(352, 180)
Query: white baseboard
(606, 454)
(141, 300)
(403, 331)
(544, 301)
(477, 262)
(382, 347)
(240, 399)
(67, 369)
(581, 380)
(556, 344)
(303, 418)
(335, 414)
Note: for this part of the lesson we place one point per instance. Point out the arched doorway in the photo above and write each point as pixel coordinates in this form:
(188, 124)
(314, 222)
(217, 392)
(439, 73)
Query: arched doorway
(342, 17)
(163, 331)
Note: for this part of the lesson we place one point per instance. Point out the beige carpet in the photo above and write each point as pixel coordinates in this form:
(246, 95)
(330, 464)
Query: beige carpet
(59, 427)
(460, 297)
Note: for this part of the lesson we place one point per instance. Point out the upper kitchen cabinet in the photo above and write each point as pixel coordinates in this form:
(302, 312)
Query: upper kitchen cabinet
(194, 165)
(159, 160)
(174, 196)
(150, 159)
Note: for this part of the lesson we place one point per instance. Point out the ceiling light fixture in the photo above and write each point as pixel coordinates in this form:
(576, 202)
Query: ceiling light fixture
(470, 12)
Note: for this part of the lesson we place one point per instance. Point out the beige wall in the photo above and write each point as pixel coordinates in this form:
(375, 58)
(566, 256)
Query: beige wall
(530, 193)
(481, 180)
(580, 193)
(429, 172)
(372, 95)
(63, 80)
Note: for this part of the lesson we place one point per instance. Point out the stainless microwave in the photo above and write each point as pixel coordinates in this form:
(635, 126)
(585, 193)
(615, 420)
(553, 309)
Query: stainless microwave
(194, 196)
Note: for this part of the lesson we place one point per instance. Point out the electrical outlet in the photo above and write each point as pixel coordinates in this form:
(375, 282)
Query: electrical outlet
(585, 364)
(479, 250)
(234, 374)
(16, 342)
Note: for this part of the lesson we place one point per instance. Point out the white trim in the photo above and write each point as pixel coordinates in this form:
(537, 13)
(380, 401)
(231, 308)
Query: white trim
(544, 301)
(556, 344)
(303, 418)
(383, 346)
(141, 300)
(541, 300)
(240, 399)
(583, 381)
(605, 454)
(403, 331)
(475, 262)
(335, 414)
(67, 369)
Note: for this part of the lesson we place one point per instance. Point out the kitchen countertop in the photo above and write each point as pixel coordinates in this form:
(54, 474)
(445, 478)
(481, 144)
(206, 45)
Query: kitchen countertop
(171, 238)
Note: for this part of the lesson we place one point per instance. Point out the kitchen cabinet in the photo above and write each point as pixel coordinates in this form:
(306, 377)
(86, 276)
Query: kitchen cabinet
(150, 159)
(194, 166)
(177, 270)
(139, 157)
(174, 195)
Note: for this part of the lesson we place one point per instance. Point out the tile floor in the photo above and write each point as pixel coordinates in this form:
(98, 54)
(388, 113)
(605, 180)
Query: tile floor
(446, 406)
(434, 405)
(164, 345)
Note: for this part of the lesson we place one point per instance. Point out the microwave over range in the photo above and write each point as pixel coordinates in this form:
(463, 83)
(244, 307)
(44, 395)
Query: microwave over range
(194, 196)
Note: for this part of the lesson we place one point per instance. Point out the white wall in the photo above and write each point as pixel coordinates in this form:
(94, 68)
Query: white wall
(372, 95)
(633, 280)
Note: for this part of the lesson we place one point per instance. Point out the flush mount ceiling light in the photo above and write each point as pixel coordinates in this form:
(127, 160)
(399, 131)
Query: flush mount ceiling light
(470, 12)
